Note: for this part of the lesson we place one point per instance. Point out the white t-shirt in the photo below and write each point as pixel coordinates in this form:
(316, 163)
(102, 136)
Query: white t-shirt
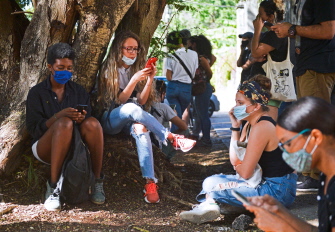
(190, 59)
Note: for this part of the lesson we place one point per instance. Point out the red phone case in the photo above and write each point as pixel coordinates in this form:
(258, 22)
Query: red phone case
(150, 61)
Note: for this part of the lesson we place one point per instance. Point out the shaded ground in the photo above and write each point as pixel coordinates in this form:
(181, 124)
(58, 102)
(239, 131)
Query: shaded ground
(125, 209)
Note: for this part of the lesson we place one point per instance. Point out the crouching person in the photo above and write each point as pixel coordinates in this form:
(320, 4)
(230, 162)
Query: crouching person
(51, 109)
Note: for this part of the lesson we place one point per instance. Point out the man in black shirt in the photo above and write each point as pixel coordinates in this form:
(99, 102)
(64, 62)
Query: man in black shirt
(243, 60)
(315, 55)
(51, 110)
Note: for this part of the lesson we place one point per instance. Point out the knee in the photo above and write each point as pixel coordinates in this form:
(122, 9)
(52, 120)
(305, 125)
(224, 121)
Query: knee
(64, 123)
(91, 124)
(131, 109)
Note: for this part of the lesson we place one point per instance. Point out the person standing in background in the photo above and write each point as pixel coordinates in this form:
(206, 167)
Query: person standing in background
(314, 32)
(243, 60)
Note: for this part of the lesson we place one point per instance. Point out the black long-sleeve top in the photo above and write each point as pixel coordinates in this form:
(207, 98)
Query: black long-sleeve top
(42, 104)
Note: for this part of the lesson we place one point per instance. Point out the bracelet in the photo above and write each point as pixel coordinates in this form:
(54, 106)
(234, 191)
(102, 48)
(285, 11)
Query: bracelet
(234, 128)
(55, 116)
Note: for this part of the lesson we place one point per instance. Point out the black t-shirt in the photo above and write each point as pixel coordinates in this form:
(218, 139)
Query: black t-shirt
(42, 103)
(326, 204)
(278, 54)
(245, 72)
(315, 54)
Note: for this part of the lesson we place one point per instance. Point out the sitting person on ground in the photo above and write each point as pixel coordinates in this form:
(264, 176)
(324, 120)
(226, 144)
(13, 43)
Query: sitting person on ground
(126, 89)
(254, 154)
(51, 110)
(306, 131)
(165, 114)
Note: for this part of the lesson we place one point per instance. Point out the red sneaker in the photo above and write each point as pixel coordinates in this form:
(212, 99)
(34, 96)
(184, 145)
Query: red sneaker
(150, 193)
(182, 143)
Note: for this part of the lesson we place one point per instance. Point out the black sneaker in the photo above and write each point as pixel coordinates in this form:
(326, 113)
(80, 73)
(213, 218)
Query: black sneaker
(309, 185)
(301, 178)
(204, 143)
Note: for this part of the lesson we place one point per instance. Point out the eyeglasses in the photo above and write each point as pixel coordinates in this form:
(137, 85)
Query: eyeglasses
(281, 145)
(131, 49)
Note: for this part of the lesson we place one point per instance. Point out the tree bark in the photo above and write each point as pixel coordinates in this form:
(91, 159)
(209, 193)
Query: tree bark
(89, 26)
(98, 21)
(52, 22)
(143, 18)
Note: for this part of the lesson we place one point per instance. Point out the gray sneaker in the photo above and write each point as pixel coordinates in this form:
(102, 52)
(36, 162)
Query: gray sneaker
(98, 195)
(201, 213)
(52, 202)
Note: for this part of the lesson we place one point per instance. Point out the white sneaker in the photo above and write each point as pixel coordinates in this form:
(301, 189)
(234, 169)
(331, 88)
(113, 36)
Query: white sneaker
(201, 213)
(52, 202)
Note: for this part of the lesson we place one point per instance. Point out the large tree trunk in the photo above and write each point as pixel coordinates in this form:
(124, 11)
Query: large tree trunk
(55, 21)
(143, 18)
(13, 28)
(97, 23)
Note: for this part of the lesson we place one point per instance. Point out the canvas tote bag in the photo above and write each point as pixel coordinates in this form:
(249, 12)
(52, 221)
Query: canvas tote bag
(281, 76)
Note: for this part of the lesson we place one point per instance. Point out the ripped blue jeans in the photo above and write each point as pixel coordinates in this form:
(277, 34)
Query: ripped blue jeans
(281, 188)
(123, 118)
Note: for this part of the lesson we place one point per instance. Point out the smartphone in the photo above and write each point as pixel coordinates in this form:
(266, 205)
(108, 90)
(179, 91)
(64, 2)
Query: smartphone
(150, 61)
(173, 106)
(81, 107)
(268, 24)
(240, 197)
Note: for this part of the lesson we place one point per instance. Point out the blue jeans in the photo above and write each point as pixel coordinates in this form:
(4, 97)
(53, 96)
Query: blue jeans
(123, 118)
(201, 105)
(178, 93)
(281, 188)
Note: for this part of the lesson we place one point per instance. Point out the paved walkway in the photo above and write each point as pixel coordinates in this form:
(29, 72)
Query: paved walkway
(305, 205)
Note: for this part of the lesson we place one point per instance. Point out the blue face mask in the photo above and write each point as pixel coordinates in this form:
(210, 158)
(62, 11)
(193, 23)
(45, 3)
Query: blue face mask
(128, 61)
(301, 160)
(240, 112)
(61, 77)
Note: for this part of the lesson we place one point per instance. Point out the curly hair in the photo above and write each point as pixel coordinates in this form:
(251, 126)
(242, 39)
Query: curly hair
(60, 51)
(272, 7)
(108, 85)
(203, 45)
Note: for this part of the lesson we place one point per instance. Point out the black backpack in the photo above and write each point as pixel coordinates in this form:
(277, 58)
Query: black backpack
(77, 178)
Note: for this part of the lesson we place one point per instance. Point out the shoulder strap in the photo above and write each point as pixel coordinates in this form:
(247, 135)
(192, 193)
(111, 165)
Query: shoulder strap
(182, 64)
(267, 118)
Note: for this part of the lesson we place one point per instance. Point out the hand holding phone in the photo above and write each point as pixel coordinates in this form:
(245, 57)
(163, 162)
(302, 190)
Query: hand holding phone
(81, 107)
(240, 197)
(150, 61)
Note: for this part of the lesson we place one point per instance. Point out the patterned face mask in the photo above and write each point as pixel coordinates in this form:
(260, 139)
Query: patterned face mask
(301, 160)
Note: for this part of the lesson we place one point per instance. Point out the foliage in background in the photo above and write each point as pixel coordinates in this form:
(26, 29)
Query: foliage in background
(216, 19)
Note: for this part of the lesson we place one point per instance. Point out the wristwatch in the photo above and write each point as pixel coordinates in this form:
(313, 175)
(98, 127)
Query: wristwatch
(292, 30)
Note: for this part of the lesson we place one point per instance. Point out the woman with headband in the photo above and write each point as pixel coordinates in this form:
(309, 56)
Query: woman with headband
(254, 154)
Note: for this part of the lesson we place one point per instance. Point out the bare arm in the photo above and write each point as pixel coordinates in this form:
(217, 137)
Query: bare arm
(139, 76)
(259, 49)
(259, 139)
(182, 126)
(324, 30)
(205, 64)
(265, 206)
(239, 62)
(213, 59)
(168, 75)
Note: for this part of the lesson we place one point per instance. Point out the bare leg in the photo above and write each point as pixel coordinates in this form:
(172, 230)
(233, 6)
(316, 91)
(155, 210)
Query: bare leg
(54, 145)
(91, 133)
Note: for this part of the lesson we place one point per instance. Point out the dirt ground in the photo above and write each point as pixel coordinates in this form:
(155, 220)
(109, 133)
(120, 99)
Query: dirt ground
(125, 209)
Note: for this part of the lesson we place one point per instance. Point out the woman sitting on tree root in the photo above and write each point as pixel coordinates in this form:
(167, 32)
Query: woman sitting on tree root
(51, 110)
(124, 87)
(254, 154)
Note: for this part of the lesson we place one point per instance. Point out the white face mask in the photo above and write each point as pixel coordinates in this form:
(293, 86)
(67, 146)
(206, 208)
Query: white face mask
(128, 61)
